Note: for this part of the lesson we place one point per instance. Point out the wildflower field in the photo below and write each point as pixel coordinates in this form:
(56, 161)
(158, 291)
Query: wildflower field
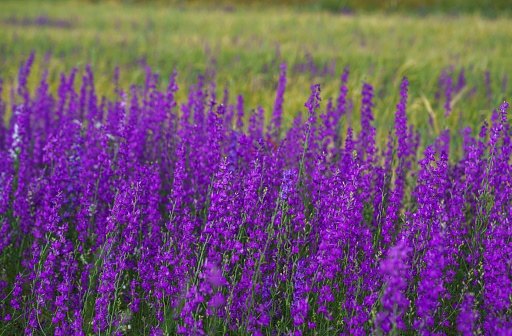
(253, 194)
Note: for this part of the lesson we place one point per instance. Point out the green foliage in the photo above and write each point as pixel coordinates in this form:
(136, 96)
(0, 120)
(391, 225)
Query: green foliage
(484, 7)
(422, 6)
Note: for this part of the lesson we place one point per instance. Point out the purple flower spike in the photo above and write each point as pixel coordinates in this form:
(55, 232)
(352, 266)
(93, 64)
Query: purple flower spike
(396, 274)
(287, 184)
(468, 316)
(401, 120)
(448, 94)
(275, 127)
(367, 138)
(313, 103)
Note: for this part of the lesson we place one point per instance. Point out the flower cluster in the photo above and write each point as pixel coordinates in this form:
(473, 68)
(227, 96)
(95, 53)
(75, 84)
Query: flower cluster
(141, 215)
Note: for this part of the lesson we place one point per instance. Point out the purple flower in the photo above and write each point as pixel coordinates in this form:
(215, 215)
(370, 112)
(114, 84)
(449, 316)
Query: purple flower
(313, 104)
(461, 81)
(289, 176)
(448, 94)
(232, 152)
(401, 120)
(275, 123)
(240, 113)
(299, 312)
(468, 316)
(396, 274)
(367, 139)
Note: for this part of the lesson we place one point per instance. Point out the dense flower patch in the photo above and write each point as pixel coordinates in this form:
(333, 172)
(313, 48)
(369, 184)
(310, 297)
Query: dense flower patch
(137, 215)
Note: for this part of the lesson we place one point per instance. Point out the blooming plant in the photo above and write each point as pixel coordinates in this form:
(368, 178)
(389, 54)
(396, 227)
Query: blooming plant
(140, 216)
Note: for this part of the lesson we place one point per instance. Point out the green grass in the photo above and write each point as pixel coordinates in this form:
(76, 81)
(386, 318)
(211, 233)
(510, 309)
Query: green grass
(379, 48)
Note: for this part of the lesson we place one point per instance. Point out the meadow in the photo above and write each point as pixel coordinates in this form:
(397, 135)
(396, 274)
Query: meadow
(188, 171)
(244, 48)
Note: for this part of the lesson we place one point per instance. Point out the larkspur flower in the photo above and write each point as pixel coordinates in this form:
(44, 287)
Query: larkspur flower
(128, 212)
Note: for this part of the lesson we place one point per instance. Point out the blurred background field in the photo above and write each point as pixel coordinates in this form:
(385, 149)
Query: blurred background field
(422, 7)
(242, 44)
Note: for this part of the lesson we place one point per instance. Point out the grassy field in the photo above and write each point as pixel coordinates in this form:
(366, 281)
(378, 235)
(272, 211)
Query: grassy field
(245, 48)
